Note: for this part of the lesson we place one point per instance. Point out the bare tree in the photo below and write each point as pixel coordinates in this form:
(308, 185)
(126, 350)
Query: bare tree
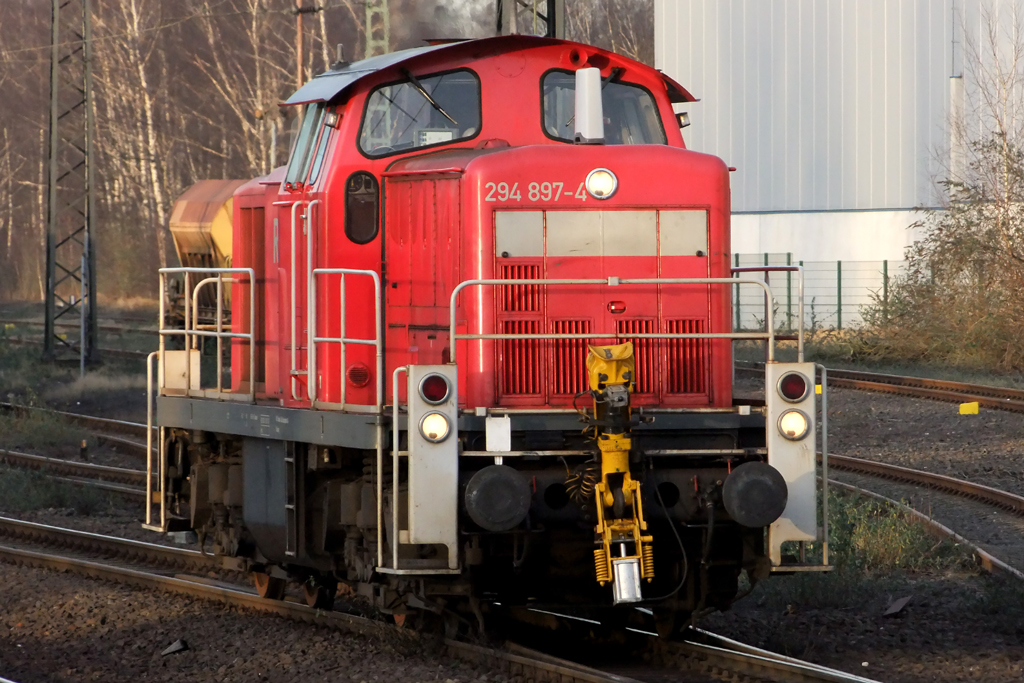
(963, 296)
(623, 26)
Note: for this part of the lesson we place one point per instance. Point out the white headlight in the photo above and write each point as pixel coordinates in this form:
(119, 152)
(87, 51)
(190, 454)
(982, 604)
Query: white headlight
(434, 427)
(601, 183)
(793, 425)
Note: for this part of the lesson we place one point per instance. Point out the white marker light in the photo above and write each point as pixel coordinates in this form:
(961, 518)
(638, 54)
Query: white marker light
(601, 183)
(434, 427)
(793, 425)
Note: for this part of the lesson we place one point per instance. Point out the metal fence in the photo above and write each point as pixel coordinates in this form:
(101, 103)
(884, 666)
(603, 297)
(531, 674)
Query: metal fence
(834, 291)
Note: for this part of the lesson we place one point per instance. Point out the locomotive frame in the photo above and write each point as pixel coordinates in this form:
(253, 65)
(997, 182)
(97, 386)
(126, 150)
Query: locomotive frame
(434, 255)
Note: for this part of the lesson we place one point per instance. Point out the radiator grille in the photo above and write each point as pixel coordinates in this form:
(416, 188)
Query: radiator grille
(570, 376)
(519, 298)
(520, 359)
(687, 368)
(644, 351)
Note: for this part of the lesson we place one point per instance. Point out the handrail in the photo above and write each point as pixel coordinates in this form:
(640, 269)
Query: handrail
(768, 335)
(189, 333)
(377, 342)
(394, 477)
(149, 451)
(310, 301)
(293, 372)
(824, 462)
(799, 298)
(219, 326)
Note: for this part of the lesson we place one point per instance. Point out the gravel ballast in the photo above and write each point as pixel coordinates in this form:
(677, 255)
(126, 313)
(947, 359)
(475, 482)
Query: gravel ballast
(61, 627)
(957, 626)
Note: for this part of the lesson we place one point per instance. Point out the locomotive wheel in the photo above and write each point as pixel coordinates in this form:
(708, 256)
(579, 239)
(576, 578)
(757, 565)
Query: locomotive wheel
(320, 595)
(269, 587)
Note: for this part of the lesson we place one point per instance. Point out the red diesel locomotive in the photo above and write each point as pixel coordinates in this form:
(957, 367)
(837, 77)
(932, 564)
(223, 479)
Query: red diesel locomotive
(479, 352)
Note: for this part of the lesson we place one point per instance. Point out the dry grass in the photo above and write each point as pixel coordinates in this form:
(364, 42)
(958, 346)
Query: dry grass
(94, 382)
(874, 548)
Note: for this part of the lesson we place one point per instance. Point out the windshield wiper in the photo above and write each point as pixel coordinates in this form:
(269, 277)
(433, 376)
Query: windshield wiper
(422, 91)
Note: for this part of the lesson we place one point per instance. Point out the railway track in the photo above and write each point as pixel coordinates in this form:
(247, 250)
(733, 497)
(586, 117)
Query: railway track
(705, 657)
(114, 430)
(843, 466)
(999, 398)
(120, 329)
(74, 470)
(157, 567)
(112, 353)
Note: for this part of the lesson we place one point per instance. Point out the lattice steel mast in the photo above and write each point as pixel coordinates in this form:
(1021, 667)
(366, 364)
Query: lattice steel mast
(378, 28)
(511, 20)
(71, 211)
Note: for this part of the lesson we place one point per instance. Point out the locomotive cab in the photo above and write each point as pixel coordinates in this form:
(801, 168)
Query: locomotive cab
(480, 352)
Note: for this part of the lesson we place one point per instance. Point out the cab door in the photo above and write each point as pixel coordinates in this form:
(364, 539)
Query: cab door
(423, 224)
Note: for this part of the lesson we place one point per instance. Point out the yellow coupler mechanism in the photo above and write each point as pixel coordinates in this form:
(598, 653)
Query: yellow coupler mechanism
(624, 554)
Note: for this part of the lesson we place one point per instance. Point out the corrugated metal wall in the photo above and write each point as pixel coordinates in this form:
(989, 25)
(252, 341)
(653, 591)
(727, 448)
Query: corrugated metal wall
(821, 104)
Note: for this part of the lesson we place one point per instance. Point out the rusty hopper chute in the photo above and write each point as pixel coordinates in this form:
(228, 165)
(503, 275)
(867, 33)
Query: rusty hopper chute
(201, 227)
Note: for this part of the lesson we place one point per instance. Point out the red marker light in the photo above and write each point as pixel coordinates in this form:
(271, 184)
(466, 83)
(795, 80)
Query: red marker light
(793, 386)
(434, 389)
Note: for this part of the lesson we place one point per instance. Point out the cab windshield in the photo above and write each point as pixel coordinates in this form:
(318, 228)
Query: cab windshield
(630, 114)
(421, 112)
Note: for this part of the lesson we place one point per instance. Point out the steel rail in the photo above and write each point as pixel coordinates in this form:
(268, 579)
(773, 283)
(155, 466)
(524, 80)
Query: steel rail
(113, 353)
(89, 422)
(119, 475)
(985, 494)
(111, 546)
(712, 653)
(998, 398)
(101, 328)
(515, 664)
(715, 651)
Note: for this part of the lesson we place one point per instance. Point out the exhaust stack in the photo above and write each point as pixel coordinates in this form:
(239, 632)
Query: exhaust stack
(589, 109)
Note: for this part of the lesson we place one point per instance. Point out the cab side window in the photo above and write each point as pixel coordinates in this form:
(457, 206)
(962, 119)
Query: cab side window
(362, 207)
(307, 156)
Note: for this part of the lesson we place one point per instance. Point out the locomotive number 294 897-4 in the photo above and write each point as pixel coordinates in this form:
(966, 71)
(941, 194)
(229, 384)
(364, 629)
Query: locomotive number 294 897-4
(535, 192)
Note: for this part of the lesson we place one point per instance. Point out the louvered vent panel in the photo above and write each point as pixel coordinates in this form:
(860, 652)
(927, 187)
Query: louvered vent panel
(644, 350)
(519, 298)
(687, 358)
(570, 366)
(520, 359)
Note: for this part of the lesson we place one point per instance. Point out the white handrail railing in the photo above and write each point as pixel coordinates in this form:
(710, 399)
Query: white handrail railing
(191, 331)
(310, 301)
(394, 476)
(219, 325)
(768, 335)
(799, 298)
(377, 342)
(294, 372)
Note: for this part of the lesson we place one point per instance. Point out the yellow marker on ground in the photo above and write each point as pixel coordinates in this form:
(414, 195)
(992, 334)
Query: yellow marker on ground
(969, 408)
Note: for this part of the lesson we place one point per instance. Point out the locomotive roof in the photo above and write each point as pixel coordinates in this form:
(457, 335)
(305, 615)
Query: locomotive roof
(330, 84)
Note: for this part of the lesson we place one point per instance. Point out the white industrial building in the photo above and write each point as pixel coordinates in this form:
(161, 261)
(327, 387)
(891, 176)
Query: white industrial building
(835, 113)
